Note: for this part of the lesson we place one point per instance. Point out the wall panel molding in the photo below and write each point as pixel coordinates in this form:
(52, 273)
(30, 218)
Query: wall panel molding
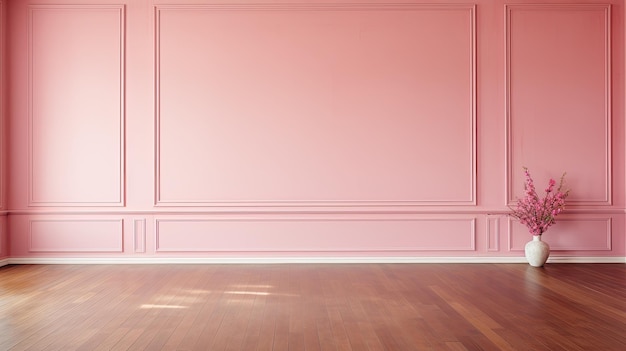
(193, 211)
(139, 235)
(492, 234)
(80, 123)
(551, 14)
(314, 235)
(167, 194)
(569, 234)
(85, 235)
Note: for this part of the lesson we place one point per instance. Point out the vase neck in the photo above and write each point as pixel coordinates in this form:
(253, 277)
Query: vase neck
(537, 237)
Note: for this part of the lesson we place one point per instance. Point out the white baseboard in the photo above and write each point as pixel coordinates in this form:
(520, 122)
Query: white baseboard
(303, 260)
(4, 262)
(565, 259)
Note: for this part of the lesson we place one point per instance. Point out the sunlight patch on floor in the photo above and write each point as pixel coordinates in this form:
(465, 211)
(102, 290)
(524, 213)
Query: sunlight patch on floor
(258, 293)
(149, 306)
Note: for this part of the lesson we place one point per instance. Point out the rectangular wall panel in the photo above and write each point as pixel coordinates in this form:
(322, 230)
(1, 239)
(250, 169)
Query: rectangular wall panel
(493, 233)
(584, 234)
(198, 235)
(76, 236)
(558, 70)
(76, 105)
(315, 104)
(139, 231)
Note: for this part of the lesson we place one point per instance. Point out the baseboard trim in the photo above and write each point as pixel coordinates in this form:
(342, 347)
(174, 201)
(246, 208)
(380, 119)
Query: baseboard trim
(303, 260)
(566, 259)
(4, 262)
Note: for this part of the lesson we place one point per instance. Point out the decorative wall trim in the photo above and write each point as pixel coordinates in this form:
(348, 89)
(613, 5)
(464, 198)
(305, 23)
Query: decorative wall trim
(606, 8)
(372, 7)
(340, 205)
(139, 231)
(210, 238)
(299, 211)
(608, 236)
(32, 202)
(493, 233)
(5, 262)
(309, 260)
(113, 239)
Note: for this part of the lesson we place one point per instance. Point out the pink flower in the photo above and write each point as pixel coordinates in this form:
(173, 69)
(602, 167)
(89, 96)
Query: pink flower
(551, 185)
(539, 214)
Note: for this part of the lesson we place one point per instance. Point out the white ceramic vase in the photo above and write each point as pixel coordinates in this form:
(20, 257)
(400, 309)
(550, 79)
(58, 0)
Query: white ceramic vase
(537, 251)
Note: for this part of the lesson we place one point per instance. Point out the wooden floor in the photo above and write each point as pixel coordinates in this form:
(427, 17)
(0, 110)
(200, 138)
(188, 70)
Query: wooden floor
(313, 307)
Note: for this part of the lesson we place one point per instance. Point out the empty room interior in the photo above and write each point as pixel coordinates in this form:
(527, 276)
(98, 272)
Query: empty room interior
(312, 175)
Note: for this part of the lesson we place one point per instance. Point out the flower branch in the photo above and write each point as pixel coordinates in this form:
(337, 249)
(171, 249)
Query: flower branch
(538, 214)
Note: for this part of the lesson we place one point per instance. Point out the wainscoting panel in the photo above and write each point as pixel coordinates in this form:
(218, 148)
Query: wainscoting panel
(139, 231)
(493, 232)
(559, 108)
(76, 105)
(568, 234)
(76, 235)
(323, 104)
(199, 235)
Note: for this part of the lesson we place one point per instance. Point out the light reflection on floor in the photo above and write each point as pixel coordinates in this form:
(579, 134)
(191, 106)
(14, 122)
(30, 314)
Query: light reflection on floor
(242, 294)
(149, 306)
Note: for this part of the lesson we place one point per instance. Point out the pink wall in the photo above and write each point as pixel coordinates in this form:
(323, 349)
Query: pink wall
(171, 129)
(4, 237)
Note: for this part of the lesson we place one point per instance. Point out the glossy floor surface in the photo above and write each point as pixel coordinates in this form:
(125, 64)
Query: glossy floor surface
(313, 307)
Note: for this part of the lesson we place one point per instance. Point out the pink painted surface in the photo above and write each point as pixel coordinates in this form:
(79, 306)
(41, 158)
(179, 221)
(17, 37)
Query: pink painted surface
(63, 235)
(323, 235)
(3, 110)
(4, 238)
(139, 235)
(165, 129)
(593, 233)
(76, 112)
(320, 105)
(559, 68)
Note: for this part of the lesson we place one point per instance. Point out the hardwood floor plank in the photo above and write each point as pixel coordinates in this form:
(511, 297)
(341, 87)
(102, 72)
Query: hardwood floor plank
(475, 317)
(196, 290)
(313, 307)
